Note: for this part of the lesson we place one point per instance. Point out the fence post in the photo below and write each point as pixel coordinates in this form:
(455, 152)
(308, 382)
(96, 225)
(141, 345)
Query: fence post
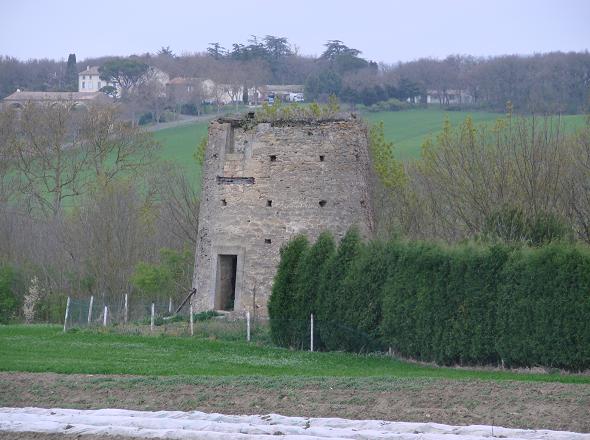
(90, 309)
(153, 314)
(126, 316)
(67, 314)
(106, 316)
(190, 309)
(248, 326)
(311, 333)
(170, 305)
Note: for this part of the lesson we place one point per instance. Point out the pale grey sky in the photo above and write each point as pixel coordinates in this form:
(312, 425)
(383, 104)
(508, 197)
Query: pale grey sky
(389, 31)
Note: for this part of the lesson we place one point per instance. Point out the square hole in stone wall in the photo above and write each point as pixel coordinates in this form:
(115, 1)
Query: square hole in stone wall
(322, 158)
(267, 241)
(223, 202)
(269, 203)
(273, 158)
(323, 203)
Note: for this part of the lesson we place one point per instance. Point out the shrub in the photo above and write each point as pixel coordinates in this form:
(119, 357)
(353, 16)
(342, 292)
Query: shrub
(512, 225)
(205, 316)
(391, 105)
(146, 118)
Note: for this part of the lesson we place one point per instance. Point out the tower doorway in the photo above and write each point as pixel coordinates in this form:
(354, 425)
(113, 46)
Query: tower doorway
(225, 290)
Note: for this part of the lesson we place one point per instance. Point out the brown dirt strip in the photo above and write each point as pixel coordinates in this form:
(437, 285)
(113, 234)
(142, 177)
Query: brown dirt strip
(530, 405)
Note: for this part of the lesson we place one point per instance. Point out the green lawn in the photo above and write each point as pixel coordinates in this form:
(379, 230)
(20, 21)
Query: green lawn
(179, 144)
(43, 348)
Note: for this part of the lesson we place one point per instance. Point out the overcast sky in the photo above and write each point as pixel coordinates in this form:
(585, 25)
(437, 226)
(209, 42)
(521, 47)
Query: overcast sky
(389, 31)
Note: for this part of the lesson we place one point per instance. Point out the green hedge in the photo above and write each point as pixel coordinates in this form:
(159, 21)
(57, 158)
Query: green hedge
(439, 303)
(281, 305)
(466, 304)
(544, 308)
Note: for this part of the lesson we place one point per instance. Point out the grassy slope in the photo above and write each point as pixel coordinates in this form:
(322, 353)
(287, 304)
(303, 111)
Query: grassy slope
(47, 349)
(409, 129)
(179, 145)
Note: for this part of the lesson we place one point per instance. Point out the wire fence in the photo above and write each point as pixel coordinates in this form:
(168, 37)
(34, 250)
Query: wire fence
(162, 316)
(140, 316)
(89, 312)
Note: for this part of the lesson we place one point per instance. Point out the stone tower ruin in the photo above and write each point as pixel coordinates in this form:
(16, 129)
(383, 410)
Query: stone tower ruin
(263, 183)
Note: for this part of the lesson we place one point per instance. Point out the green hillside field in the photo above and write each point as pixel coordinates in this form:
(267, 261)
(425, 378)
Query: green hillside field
(409, 129)
(179, 145)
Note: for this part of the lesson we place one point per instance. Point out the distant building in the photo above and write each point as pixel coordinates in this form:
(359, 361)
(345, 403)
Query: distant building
(89, 80)
(18, 99)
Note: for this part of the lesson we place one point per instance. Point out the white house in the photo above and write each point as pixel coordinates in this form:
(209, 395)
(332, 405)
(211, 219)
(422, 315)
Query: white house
(89, 80)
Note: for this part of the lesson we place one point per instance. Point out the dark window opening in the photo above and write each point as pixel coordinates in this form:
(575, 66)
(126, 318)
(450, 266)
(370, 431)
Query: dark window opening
(322, 158)
(235, 180)
(322, 203)
(267, 241)
(225, 295)
(269, 203)
(273, 158)
(223, 202)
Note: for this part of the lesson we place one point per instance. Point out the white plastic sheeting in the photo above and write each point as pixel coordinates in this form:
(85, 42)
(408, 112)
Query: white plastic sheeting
(199, 425)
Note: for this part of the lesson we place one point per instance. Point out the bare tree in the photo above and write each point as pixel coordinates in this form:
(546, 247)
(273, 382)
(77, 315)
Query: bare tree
(47, 155)
(54, 146)
(180, 201)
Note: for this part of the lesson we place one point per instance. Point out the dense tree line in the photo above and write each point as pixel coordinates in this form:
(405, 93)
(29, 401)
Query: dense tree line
(554, 82)
(468, 304)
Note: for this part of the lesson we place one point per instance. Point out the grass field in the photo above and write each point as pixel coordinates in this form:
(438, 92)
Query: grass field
(48, 349)
(179, 144)
(41, 366)
(409, 129)
(406, 129)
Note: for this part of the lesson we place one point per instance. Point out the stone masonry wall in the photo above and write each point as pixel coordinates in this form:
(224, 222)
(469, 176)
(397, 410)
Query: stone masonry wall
(264, 184)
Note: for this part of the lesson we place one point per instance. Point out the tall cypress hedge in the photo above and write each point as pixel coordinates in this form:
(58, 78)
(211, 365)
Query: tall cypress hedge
(544, 308)
(307, 287)
(470, 304)
(439, 303)
(281, 305)
(362, 298)
(332, 304)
